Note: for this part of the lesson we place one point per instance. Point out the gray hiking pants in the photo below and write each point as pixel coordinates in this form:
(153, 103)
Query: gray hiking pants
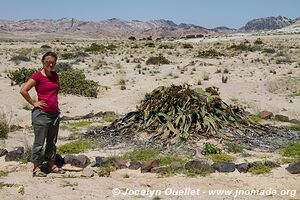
(45, 126)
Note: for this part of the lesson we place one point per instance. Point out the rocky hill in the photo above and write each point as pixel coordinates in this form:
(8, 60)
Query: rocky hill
(268, 23)
(112, 28)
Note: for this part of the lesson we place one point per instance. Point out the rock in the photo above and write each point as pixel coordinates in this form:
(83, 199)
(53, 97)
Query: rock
(3, 152)
(224, 167)
(78, 161)
(294, 121)
(119, 163)
(266, 114)
(242, 168)
(281, 118)
(271, 164)
(199, 165)
(98, 162)
(148, 165)
(294, 168)
(15, 155)
(87, 172)
(176, 165)
(69, 158)
(134, 164)
(255, 163)
(159, 169)
(81, 161)
(70, 168)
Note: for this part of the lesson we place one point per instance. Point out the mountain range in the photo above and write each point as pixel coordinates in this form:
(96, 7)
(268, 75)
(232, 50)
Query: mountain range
(118, 28)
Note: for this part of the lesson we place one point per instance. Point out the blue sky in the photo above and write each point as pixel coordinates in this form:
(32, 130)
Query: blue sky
(208, 13)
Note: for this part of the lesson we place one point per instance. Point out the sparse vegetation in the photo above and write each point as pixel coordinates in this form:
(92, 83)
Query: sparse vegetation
(158, 60)
(209, 148)
(78, 146)
(260, 169)
(217, 158)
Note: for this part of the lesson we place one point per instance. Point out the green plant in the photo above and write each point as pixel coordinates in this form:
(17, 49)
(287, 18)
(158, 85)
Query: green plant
(142, 154)
(76, 147)
(21, 75)
(3, 173)
(260, 169)
(157, 60)
(292, 149)
(73, 82)
(254, 118)
(211, 53)
(94, 47)
(217, 158)
(209, 148)
(234, 147)
(295, 127)
(110, 118)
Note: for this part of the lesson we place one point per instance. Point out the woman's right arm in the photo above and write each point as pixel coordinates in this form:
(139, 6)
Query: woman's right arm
(25, 93)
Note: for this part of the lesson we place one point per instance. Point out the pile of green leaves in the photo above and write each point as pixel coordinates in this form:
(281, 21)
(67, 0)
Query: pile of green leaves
(178, 113)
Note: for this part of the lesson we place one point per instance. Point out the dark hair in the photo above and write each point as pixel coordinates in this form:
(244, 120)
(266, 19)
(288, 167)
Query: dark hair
(49, 53)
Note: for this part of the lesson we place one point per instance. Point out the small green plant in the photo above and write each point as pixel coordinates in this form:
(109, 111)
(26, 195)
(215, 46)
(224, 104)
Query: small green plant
(295, 127)
(142, 154)
(157, 60)
(3, 173)
(81, 124)
(2, 185)
(69, 184)
(234, 147)
(217, 158)
(260, 169)
(110, 118)
(211, 53)
(76, 147)
(94, 47)
(291, 149)
(254, 118)
(209, 148)
(295, 94)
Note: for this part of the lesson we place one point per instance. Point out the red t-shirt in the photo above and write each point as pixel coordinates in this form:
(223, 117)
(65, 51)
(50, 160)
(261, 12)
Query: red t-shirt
(47, 89)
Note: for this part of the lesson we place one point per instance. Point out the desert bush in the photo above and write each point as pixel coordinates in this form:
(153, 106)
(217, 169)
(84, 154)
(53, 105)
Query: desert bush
(73, 82)
(150, 44)
(67, 56)
(132, 38)
(268, 50)
(157, 60)
(19, 58)
(187, 46)
(209, 53)
(45, 46)
(258, 41)
(94, 47)
(242, 47)
(21, 75)
(165, 46)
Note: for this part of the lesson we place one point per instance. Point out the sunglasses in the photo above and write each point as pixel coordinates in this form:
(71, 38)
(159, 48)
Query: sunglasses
(50, 62)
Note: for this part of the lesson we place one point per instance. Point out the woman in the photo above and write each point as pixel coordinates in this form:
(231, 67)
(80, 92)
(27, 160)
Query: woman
(45, 114)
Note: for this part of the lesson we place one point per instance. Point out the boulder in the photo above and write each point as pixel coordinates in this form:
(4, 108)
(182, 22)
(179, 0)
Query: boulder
(242, 168)
(224, 167)
(15, 155)
(119, 163)
(134, 164)
(199, 165)
(294, 168)
(148, 165)
(266, 114)
(77, 161)
(281, 118)
(87, 172)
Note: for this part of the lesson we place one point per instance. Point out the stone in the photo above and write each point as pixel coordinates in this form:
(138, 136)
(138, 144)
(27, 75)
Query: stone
(77, 161)
(3, 152)
(224, 167)
(199, 165)
(266, 114)
(271, 164)
(87, 172)
(281, 118)
(134, 164)
(14, 155)
(98, 162)
(119, 163)
(148, 165)
(294, 168)
(242, 168)
(176, 165)
(59, 160)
